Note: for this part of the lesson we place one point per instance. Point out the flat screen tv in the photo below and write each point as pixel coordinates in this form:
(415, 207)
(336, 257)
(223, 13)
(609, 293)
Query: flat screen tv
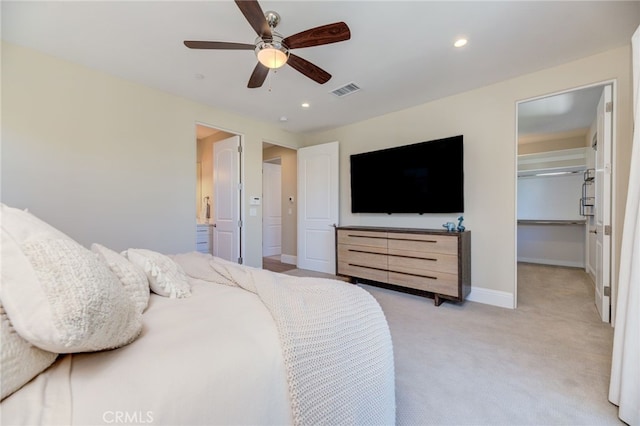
(426, 177)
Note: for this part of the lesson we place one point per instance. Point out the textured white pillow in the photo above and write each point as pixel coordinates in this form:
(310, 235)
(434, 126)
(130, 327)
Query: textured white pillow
(59, 296)
(21, 361)
(132, 277)
(166, 277)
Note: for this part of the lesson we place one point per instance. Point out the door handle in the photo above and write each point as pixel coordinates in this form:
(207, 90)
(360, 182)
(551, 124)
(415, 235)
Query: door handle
(594, 231)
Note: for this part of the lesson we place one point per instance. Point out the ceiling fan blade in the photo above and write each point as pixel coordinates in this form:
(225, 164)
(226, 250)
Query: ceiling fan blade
(258, 76)
(220, 45)
(326, 34)
(305, 67)
(253, 13)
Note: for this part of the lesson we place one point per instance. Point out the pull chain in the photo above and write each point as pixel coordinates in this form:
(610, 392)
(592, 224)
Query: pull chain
(273, 71)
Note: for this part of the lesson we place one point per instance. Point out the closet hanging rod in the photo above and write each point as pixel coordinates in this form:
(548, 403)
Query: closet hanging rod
(550, 222)
(525, 173)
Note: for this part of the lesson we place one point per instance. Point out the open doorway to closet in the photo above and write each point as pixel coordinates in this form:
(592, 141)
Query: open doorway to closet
(218, 193)
(279, 213)
(564, 198)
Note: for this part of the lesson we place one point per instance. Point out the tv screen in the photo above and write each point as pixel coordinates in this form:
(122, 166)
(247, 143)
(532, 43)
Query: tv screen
(426, 177)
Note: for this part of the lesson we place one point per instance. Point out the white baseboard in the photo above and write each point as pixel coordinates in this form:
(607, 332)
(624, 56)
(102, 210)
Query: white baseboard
(572, 264)
(289, 259)
(487, 296)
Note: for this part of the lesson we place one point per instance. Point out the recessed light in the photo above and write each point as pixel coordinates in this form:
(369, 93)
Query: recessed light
(305, 105)
(283, 118)
(460, 42)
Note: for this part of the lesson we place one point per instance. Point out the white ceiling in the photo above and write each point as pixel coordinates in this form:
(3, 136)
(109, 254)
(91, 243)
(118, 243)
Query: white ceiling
(400, 53)
(561, 113)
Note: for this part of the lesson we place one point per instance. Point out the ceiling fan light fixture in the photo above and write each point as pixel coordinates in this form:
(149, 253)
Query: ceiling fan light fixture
(272, 54)
(460, 42)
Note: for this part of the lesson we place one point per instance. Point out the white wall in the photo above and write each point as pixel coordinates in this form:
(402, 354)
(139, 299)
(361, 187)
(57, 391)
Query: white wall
(486, 118)
(561, 245)
(550, 197)
(110, 161)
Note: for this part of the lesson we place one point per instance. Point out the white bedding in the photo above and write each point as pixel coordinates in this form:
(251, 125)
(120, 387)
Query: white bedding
(224, 356)
(335, 340)
(213, 358)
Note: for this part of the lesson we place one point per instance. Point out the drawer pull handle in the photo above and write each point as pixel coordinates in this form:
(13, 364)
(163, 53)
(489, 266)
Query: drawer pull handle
(366, 252)
(366, 236)
(413, 257)
(414, 275)
(410, 239)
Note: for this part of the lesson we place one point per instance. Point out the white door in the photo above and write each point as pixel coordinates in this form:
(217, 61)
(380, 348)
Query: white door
(603, 204)
(272, 208)
(318, 210)
(226, 199)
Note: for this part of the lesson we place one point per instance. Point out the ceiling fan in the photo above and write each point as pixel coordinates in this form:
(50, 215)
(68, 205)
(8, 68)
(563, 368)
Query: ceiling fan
(274, 51)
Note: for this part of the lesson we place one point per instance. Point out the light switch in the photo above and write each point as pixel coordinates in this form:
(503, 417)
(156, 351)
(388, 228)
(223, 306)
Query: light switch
(252, 211)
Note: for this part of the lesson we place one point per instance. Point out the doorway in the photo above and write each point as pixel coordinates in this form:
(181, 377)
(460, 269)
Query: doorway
(564, 185)
(279, 213)
(272, 210)
(218, 193)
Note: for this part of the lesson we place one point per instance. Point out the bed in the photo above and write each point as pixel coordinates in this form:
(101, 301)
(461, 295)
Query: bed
(203, 341)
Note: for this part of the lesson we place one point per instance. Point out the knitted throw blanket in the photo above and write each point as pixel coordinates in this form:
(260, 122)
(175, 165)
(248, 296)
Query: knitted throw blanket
(335, 341)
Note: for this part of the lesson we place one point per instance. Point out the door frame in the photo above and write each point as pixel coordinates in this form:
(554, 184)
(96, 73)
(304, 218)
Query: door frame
(614, 88)
(241, 136)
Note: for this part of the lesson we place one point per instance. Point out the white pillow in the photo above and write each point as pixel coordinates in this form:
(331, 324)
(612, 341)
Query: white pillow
(166, 277)
(21, 361)
(132, 277)
(59, 296)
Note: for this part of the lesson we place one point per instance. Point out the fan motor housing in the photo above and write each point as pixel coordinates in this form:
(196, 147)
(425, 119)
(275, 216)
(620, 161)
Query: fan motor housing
(273, 18)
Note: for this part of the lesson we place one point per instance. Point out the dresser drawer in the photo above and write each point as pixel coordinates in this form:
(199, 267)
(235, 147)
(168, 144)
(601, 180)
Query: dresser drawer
(374, 257)
(435, 282)
(400, 259)
(352, 270)
(423, 243)
(362, 238)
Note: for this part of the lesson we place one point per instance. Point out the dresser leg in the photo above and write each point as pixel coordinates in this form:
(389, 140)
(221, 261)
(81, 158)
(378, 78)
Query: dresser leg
(437, 300)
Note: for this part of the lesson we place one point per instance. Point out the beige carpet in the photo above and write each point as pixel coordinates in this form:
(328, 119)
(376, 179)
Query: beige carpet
(545, 363)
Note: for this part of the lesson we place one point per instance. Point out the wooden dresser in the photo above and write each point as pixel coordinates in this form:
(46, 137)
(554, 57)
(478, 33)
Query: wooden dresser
(429, 261)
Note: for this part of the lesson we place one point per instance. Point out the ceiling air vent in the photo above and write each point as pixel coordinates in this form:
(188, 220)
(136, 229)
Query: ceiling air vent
(345, 90)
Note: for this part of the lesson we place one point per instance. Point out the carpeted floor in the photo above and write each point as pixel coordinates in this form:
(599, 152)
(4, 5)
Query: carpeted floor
(545, 363)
